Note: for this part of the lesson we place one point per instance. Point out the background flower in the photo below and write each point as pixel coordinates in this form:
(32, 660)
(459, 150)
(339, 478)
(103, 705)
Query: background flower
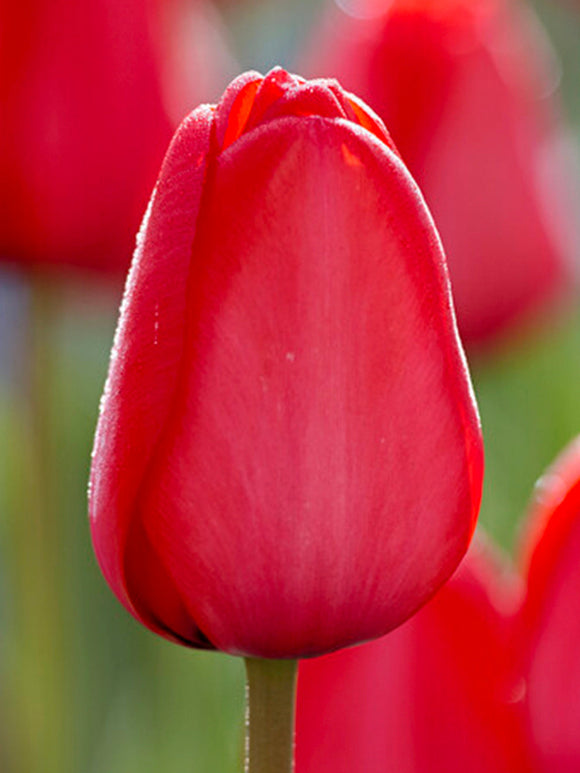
(85, 90)
(551, 619)
(467, 89)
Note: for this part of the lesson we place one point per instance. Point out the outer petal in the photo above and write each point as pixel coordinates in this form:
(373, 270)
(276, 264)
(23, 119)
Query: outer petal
(142, 380)
(436, 695)
(551, 620)
(321, 472)
(466, 89)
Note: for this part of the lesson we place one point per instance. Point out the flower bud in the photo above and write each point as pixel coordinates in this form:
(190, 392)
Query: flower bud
(288, 458)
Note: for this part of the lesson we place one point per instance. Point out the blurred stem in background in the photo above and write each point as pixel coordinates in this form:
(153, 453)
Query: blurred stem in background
(38, 676)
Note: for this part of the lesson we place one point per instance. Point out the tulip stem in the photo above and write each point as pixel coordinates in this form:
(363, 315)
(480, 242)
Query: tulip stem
(39, 672)
(270, 709)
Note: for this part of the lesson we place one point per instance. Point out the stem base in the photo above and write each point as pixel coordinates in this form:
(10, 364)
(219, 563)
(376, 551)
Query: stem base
(270, 702)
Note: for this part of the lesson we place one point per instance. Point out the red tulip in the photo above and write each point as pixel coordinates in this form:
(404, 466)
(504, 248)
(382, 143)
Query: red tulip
(288, 458)
(436, 695)
(551, 617)
(84, 125)
(466, 89)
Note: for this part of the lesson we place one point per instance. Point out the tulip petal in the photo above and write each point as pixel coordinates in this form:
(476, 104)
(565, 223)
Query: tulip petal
(144, 367)
(323, 400)
(235, 107)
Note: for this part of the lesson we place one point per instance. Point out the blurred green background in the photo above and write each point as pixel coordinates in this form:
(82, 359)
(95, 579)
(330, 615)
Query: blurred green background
(83, 687)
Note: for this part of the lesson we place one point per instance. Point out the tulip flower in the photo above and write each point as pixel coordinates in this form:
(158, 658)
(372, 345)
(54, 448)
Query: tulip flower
(466, 88)
(288, 458)
(438, 694)
(83, 94)
(551, 617)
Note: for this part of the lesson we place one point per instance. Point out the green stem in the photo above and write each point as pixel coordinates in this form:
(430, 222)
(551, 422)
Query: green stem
(38, 554)
(270, 708)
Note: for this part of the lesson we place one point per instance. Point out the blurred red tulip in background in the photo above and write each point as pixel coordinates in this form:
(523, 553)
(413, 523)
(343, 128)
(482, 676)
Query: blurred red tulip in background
(436, 695)
(467, 90)
(551, 617)
(84, 124)
(288, 458)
